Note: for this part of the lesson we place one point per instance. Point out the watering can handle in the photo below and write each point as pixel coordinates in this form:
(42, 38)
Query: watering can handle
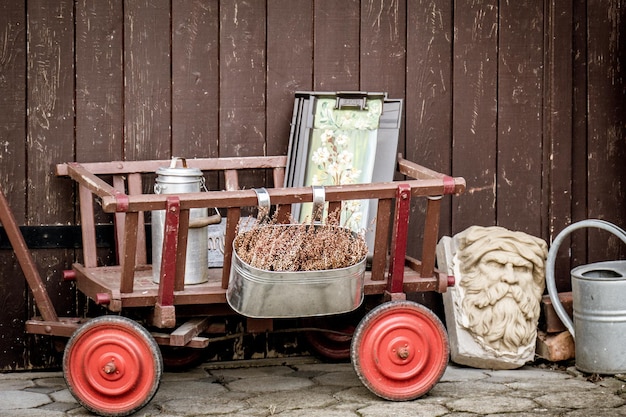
(550, 283)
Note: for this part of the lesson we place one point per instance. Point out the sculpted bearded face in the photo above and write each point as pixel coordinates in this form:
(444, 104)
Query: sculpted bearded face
(502, 280)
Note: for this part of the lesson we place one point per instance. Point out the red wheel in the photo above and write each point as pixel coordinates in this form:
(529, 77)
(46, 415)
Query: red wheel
(333, 345)
(112, 366)
(178, 359)
(400, 350)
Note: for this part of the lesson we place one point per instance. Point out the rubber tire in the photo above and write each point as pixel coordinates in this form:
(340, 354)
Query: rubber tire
(330, 345)
(180, 359)
(123, 342)
(400, 350)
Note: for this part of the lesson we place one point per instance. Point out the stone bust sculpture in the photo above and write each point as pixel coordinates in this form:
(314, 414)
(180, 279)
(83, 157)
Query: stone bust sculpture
(500, 277)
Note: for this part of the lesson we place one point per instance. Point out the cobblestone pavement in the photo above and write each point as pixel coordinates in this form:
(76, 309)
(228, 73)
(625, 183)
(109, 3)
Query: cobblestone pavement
(303, 386)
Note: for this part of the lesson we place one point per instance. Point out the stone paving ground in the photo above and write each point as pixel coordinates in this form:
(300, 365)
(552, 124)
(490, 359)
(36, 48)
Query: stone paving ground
(303, 386)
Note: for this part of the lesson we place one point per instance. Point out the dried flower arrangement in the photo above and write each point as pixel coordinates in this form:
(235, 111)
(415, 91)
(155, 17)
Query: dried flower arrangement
(300, 247)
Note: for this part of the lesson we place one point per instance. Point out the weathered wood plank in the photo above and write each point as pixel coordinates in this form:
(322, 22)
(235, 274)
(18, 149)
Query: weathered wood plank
(428, 101)
(558, 129)
(475, 111)
(383, 47)
(242, 83)
(289, 66)
(242, 75)
(99, 80)
(336, 45)
(520, 85)
(12, 174)
(606, 151)
(383, 55)
(50, 140)
(195, 78)
(147, 80)
(579, 133)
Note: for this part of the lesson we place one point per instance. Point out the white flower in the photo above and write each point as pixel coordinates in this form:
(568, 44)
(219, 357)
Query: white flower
(342, 140)
(320, 156)
(354, 175)
(333, 169)
(326, 136)
(345, 158)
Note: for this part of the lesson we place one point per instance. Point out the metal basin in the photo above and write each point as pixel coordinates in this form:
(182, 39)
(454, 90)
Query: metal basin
(260, 293)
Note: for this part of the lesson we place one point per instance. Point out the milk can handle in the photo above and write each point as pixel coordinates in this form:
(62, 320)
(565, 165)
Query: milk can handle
(175, 159)
(550, 283)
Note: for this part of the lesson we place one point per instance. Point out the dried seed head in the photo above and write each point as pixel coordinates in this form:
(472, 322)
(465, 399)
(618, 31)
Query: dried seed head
(300, 247)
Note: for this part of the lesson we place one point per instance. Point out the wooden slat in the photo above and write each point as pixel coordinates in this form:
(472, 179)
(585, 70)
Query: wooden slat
(278, 175)
(188, 330)
(88, 227)
(13, 114)
(181, 250)
(558, 130)
(475, 112)
(147, 82)
(247, 198)
(93, 183)
(383, 48)
(606, 170)
(381, 249)
(416, 171)
(135, 188)
(431, 236)
(336, 45)
(163, 339)
(120, 218)
(195, 78)
(7, 220)
(50, 140)
(289, 69)
(99, 80)
(242, 99)
(429, 99)
(232, 221)
(129, 255)
(231, 179)
(580, 98)
(204, 164)
(520, 58)
(334, 210)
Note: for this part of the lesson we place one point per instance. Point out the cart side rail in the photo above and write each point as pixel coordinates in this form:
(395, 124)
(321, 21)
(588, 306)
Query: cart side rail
(204, 164)
(125, 198)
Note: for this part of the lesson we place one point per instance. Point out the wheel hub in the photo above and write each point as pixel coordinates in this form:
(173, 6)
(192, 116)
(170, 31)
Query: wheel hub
(110, 368)
(402, 352)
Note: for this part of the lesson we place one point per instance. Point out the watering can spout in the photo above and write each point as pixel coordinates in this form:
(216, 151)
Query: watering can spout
(599, 324)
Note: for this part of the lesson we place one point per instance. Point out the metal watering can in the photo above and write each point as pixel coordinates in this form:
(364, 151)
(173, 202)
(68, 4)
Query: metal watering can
(599, 304)
(179, 180)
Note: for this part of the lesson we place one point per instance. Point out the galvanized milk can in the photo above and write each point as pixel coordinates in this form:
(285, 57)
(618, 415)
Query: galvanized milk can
(180, 180)
(599, 304)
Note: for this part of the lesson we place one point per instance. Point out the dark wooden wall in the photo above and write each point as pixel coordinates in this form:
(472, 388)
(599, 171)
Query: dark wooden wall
(525, 99)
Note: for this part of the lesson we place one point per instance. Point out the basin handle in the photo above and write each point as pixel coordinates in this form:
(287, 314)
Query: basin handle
(319, 199)
(264, 204)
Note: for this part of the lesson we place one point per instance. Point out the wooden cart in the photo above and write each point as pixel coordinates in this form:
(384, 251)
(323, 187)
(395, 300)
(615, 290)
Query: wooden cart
(113, 364)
